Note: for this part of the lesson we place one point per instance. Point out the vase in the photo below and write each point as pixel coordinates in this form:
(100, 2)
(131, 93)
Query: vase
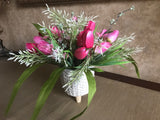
(78, 88)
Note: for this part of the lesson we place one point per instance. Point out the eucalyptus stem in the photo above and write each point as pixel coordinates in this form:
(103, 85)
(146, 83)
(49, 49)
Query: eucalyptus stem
(113, 21)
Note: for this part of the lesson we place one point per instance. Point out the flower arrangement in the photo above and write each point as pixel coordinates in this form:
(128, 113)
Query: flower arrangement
(72, 42)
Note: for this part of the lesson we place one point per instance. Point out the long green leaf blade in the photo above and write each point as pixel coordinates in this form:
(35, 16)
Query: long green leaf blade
(79, 114)
(19, 83)
(129, 58)
(107, 57)
(92, 90)
(97, 69)
(46, 90)
(115, 63)
(115, 48)
(91, 84)
(116, 59)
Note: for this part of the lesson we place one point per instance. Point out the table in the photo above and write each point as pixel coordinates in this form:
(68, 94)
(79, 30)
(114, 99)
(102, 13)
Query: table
(113, 100)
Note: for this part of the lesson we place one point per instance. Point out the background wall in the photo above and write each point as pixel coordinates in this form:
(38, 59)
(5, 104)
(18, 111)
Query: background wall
(16, 21)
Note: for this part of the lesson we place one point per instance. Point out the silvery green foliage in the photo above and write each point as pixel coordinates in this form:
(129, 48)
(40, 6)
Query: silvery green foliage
(65, 22)
(58, 55)
(130, 50)
(123, 39)
(27, 58)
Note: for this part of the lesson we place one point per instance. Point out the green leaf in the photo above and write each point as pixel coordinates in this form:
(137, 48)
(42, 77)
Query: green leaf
(19, 83)
(113, 54)
(79, 114)
(95, 29)
(54, 42)
(91, 84)
(92, 90)
(46, 90)
(109, 56)
(97, 69)
(115, 59)
(115, 63)
(38, 27)
(114, 48)
(129, 58)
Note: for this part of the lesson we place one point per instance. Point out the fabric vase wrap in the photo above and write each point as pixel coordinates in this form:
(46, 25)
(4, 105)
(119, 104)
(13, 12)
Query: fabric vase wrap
(79, 87)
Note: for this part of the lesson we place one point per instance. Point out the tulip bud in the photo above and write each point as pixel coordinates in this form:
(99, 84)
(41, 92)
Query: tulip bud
(81, 53)
(90, 26)
(111, 37)
(56, 31)
(45, 47)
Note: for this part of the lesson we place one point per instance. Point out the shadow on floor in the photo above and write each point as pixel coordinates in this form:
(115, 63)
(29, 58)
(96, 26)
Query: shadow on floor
(133, 81)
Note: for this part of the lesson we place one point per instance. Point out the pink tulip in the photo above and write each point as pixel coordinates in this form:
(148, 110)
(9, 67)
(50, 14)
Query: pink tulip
(56, 31)
(37, 39)
(104, 46)
(85, 39)
(111, 37)
(31, 47)
(41, 45)
(45, 47)
(90, 26)
(81, 53)
(102, 33)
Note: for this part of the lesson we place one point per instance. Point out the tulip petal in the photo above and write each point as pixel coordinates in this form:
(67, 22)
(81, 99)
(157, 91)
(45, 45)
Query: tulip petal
(45, 48)
(102, 33)
(89, 39)
(81, 53)
(37, 39)
(90, 26)
(104, 46)
(56, 31)
(113, 36)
